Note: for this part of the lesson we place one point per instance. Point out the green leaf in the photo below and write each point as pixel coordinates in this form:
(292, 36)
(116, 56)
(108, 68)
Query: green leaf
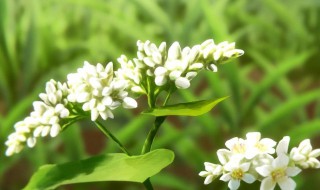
(108, 167)
(186, 109)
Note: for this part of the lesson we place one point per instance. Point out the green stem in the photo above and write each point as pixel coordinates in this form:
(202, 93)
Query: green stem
(147, 184)
(106, 132)
(152, 133)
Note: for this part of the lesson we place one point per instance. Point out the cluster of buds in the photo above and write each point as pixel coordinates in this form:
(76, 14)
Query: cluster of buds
(44, 120)
(175, 66)
(251, 159)
(98, 91)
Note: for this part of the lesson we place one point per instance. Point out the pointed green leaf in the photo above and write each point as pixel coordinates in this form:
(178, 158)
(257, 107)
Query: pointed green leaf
(186, 109)
(108, 167)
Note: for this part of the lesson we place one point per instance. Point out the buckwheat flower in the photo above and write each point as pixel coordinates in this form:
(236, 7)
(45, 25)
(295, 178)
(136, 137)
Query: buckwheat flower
(304, 156)
(211, 173)
(256, 145)
(237, 146)
(278, 172)
(96, 89)
(235, 171)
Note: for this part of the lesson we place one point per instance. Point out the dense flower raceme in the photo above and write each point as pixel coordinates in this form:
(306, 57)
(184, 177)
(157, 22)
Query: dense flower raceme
(92, 88)
(175, 65)
(251, 159)
(43, 120)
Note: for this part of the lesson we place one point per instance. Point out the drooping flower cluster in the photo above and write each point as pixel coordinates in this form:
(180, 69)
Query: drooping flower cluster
(43, 120)
(252, 159)
(175, 66)
(92, 88)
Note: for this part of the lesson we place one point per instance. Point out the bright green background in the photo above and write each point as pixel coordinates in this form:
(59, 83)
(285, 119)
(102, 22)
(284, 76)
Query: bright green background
(273, 87)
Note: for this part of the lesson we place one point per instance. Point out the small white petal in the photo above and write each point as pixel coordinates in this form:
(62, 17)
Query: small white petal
(45, 131)
(315, 153)
(204, 173)
(208, 179)
(174, 51)
(160, 80)
(282, 147)
(148, 61)
(160, 71)
(264, 170)
(55, 129)
(94, 114)
(292, 171)
(225, 177)
(182, 83)
(129, 103)
(267, 184)
(212, 67)
(31, 142)
(287, 184)
(281, 161)
(248, 178)
(234, 184)
(64, 113)
(175, 74)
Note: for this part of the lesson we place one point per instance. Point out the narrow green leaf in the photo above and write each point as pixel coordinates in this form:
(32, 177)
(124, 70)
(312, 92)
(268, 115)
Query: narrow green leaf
(108, 167)
(186, 109)
(288, 108)
(304, 131)
(273, 77)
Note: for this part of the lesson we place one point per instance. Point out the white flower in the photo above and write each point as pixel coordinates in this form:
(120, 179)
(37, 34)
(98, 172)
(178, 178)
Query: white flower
(237, 146)
(304, 156)
(237, 171)
(256, 145)
(212, 172)
(278, 172)
(95, 88)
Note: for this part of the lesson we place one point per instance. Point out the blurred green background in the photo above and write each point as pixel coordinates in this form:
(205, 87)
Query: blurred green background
(274, 88)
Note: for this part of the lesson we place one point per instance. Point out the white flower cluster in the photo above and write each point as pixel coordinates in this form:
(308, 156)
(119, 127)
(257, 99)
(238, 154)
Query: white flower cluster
(44, 120)
(251, 159)
(176, 65)
(94, 88)
(98, 91)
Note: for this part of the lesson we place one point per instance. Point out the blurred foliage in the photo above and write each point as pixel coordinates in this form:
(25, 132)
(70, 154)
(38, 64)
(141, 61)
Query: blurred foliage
(273, 88)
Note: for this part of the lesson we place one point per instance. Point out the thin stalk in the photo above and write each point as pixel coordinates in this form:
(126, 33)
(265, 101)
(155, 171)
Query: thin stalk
(147, 184)
(106, 132)
(152, 133)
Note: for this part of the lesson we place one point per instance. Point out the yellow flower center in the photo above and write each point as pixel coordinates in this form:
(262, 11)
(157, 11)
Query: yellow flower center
(237, 174)
(261, 147)
(239, 148)
(278, 174)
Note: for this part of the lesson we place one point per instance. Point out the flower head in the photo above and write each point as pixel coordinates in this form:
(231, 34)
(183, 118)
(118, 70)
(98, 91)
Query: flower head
(212, 172)
(235, 171)
(96, 89)
(278, 172)
(304, 156)
(256, 145)
(43, 120)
